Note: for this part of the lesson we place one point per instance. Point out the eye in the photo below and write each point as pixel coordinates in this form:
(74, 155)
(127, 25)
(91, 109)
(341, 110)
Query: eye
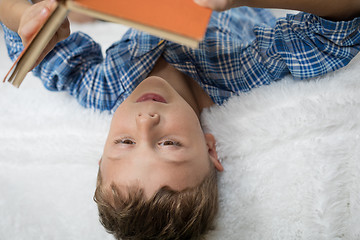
(127, 141)
(169, 143)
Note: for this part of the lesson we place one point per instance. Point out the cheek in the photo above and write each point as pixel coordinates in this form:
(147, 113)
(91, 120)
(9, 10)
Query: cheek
(185, 116)
(185, 124)
(123, 111)
(121, 116)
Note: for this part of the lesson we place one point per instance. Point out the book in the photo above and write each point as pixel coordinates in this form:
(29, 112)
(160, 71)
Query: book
(180, 21)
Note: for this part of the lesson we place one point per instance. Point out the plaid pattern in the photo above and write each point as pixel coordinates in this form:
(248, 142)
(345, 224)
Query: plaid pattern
(243, 48)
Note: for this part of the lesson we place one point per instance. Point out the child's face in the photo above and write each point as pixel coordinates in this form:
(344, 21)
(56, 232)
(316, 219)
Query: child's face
(156, 143)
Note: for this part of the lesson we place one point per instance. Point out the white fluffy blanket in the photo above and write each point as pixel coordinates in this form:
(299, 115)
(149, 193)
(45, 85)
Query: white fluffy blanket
(291, 153)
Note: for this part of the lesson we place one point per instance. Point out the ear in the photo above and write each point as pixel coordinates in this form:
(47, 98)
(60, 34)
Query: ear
(211, 145)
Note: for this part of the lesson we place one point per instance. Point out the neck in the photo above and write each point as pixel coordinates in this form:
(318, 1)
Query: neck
(187, 87)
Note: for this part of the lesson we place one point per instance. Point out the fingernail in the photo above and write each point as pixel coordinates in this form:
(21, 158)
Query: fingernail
(44, 11)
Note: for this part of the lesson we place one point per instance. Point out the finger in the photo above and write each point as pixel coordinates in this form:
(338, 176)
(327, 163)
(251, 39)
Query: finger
(39, 12)
(51, 4)
(217, 5)
(30, 28)
(203, 3)
(38, 8)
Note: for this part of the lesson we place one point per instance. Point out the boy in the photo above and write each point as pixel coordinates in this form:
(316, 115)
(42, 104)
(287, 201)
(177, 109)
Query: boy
(157, 174)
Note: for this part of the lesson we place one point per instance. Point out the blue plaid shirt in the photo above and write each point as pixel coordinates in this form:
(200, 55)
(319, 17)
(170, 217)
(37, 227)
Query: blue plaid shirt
(243, 48)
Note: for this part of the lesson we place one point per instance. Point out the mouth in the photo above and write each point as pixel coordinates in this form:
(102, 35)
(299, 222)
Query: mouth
(151, 97)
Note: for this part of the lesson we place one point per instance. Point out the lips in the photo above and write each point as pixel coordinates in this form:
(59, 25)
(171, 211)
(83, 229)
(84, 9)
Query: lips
(151, 97)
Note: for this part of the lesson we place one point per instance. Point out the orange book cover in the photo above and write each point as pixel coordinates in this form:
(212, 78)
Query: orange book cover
(182, 17)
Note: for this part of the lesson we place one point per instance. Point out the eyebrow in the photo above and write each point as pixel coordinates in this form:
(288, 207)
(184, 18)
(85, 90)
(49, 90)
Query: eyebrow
(169, 161)
(113, 153)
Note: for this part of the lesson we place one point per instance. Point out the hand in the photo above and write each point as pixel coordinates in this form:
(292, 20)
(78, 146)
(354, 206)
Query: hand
(219, 5)
(32, 20)
(331, 9)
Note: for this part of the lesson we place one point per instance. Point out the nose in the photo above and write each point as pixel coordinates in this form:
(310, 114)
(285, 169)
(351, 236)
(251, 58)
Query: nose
(146, 121)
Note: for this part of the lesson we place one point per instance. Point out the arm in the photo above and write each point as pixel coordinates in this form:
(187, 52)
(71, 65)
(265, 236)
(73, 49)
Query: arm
(305, 45)
(329, 9)
(75, 65)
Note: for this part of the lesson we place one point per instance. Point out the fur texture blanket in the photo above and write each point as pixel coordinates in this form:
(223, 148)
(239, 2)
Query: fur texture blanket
(291, 153)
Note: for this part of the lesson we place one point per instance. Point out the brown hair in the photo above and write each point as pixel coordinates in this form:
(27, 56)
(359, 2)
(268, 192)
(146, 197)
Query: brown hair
(168, 214)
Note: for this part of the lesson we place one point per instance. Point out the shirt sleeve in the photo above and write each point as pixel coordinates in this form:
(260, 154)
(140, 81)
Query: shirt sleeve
(75, 65)
(304, 45)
